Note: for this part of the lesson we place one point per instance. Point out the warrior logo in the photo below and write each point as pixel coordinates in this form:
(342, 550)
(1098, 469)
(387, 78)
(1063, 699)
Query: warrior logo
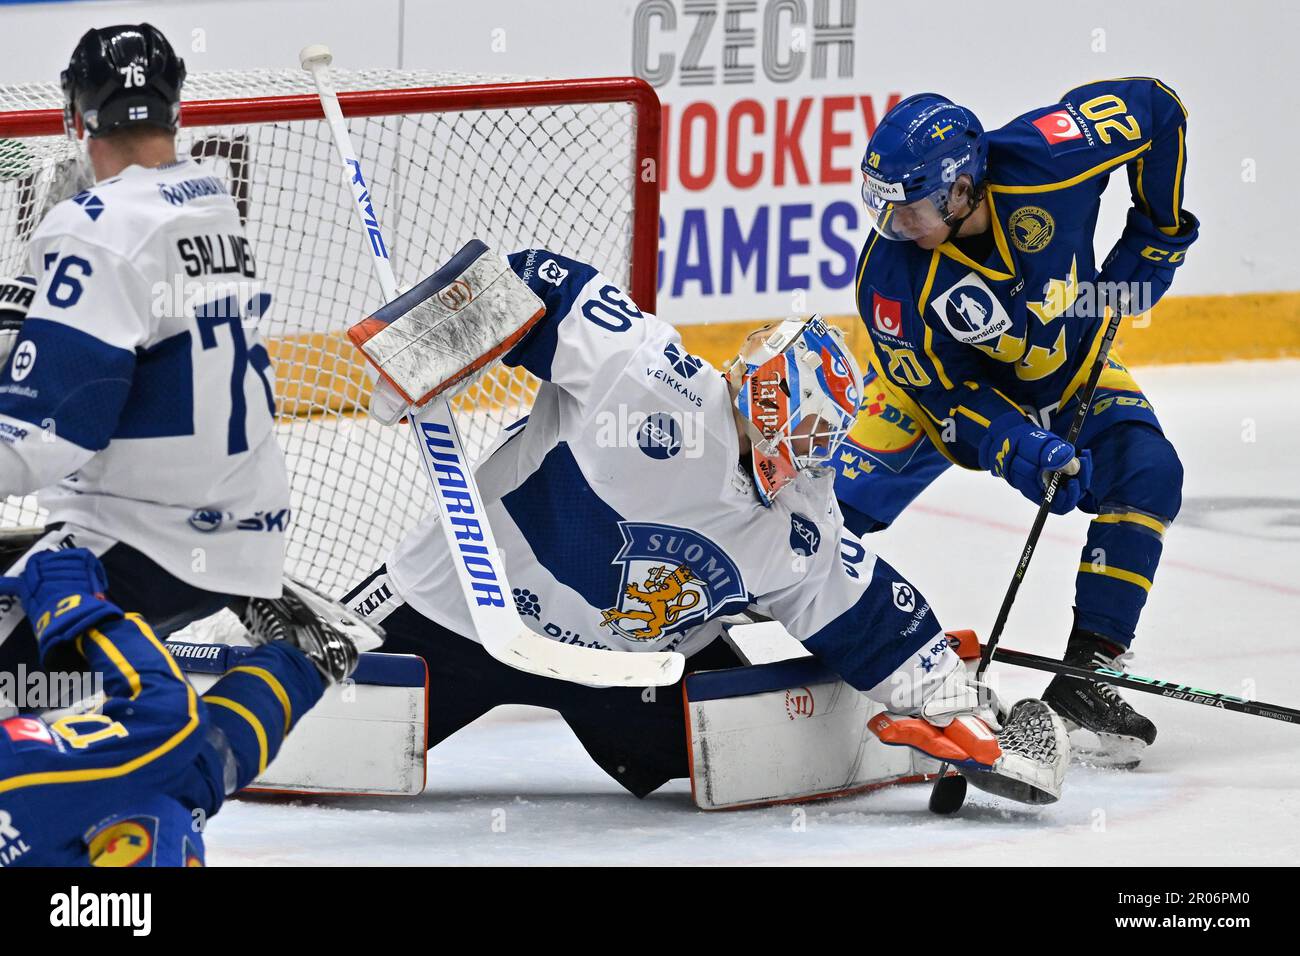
(457, 295)
(673, 578)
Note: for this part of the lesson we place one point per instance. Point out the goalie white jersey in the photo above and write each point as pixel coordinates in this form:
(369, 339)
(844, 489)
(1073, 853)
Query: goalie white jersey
(627, 521)
(139, 398)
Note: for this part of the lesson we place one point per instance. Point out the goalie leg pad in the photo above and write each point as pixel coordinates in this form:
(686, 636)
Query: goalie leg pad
(365, 736)
(785, 732)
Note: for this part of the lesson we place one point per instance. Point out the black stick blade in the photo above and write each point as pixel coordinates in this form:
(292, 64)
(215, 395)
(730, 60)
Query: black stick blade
(948, 795)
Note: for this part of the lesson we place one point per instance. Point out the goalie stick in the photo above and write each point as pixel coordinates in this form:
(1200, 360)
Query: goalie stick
(497, 623)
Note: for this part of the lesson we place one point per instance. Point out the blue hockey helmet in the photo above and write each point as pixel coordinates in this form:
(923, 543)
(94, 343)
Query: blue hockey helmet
(918, 151)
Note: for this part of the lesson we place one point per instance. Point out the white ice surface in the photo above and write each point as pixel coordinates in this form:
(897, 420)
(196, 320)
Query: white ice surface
(1217, 787)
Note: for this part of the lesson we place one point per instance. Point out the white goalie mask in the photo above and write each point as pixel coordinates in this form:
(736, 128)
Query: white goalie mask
(797, 389)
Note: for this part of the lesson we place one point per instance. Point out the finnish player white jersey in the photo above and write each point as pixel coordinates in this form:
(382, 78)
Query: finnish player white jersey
(627, 520)
(139, 398)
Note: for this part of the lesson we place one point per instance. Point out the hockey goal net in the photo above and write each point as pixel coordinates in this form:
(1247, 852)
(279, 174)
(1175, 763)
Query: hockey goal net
(564, 164)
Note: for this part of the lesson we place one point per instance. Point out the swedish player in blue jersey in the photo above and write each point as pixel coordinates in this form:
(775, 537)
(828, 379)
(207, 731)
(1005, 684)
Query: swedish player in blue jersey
(985, 309)
(133, 782)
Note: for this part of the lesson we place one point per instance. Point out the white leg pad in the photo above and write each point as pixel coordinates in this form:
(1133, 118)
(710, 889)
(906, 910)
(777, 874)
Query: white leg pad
(786, 732)
(367, 735)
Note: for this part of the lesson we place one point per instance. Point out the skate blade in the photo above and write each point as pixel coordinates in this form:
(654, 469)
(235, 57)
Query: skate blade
(1009, 789)
(1089, 748)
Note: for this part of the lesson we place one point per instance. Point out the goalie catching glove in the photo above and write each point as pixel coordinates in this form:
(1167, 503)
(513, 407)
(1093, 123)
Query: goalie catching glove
(439, 334)
(329, 634)
(1021, 756)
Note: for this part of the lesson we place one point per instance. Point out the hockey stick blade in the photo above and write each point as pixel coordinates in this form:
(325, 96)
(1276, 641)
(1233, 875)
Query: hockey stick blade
(1150, 685)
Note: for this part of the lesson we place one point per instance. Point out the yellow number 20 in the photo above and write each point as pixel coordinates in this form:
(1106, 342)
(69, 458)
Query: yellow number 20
(70, 728)
(904, 368)
(1103, 109)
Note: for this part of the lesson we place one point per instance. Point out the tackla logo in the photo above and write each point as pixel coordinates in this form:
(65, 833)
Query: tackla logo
(673, 578)
(552, 272)
(24, 360)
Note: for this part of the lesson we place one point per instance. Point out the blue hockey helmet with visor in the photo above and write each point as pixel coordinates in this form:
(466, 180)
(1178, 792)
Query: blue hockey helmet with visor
(920, 149)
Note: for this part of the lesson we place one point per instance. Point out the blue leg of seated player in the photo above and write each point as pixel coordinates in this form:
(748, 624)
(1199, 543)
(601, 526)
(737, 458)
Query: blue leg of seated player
(250, 712)
(132, 783)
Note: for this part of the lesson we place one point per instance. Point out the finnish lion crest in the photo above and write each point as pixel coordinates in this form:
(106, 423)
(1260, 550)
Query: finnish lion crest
(673, 578)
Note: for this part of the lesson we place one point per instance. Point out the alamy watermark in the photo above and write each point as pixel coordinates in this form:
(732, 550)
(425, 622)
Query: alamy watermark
(37, 689)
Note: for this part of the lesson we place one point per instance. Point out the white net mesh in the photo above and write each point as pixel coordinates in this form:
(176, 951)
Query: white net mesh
(560, 176)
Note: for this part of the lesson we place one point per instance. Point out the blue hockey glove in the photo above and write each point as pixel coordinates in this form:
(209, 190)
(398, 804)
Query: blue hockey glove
(63, 595)
(1146, 256)
(1024, 454)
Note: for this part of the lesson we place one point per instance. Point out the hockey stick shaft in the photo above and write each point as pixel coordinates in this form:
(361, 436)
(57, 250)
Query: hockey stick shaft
(1040, 520)
(480, 568)
(1054, 481)
(1149, 685)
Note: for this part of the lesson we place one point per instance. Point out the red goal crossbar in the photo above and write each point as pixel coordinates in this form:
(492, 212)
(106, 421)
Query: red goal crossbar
(447, 99)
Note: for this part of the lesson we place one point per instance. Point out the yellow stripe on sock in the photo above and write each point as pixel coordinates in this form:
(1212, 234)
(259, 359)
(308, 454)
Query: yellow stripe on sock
(1155, 524)
(258, 730)
(276, 688)
(1118, 574)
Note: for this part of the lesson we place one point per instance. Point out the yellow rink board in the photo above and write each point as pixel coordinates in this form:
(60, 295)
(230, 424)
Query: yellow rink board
(322, 370)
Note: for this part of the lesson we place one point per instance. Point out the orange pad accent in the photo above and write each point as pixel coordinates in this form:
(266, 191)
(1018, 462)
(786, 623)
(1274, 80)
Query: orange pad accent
(975, 738)
(967, 644)
(917, 733)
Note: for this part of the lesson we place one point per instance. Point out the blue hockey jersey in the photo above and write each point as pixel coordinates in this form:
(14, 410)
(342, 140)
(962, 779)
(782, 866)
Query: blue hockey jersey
(962, 342)
(134, 782)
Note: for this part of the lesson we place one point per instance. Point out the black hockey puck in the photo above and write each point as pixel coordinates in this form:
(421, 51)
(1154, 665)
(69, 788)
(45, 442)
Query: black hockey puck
(948, 795)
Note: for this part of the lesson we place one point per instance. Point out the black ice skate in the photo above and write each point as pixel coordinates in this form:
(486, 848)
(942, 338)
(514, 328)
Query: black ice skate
(1105, 731)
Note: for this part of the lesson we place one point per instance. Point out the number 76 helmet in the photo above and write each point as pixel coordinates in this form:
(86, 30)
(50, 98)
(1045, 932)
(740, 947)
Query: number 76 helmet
(796, 389)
